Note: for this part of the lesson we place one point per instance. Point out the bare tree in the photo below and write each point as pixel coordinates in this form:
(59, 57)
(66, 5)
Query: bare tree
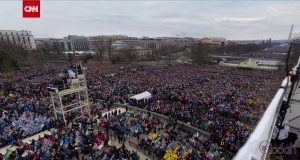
(100, 48)
(128, 55)
(238, 49)
(52, 51)
(163, 51)
(14, 50)
(109, 49)
(45, 49)
(7, 64)
(15, 55)
(149, 57)
(199, 53)
(294, 56)
(86, 58)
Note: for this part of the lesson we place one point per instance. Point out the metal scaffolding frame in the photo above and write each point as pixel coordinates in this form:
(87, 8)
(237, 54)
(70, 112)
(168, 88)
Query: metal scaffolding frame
(76, 88)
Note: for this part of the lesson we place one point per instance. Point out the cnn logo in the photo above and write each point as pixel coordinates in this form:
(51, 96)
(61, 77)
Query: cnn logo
(31, 8)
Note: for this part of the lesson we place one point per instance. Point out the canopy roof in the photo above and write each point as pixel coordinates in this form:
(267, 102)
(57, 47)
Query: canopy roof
(144, 95)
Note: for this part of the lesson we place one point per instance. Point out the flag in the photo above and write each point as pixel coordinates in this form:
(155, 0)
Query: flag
(44, 155)
(8, 152)
(76, 142)
(170, 155)
(66, 139)
(222, 142)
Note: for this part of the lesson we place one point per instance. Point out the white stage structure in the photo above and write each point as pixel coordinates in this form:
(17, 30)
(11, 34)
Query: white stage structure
(142, 96)
(70, 94)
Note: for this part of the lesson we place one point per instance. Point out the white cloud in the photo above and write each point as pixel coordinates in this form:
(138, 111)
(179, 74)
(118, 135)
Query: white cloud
(239, 19)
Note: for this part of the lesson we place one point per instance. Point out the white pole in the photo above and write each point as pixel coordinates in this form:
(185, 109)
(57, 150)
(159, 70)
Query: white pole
(62, 108)
(52, 99)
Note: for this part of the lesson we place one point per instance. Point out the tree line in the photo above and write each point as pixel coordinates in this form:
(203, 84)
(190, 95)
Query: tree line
(200, 52)
(14, 56)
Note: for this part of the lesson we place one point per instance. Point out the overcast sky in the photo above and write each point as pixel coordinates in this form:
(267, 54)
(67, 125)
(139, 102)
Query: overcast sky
(228, 19)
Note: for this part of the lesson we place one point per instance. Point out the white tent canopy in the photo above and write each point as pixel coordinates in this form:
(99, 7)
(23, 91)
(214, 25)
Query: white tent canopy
(144, 95)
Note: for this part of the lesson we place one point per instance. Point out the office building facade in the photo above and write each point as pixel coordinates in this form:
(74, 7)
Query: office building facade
(71, 44)
(104, 42)
(23, 38)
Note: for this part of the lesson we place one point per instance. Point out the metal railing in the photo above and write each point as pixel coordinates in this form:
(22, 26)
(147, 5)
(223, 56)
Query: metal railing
(165, 117)
(133, 144)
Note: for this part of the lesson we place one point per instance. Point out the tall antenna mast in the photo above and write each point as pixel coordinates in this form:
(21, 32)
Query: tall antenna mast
(289, 51)
(291, 32)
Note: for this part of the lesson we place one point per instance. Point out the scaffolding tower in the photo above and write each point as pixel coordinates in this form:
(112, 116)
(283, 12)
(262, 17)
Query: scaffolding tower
(69, 95)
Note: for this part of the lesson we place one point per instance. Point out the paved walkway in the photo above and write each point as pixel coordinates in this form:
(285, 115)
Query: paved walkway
(131, 149)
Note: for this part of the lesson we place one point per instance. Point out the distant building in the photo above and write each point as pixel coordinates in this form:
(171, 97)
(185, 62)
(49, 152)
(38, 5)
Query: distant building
(133, 46)
(52, 44)
(213, 41)
(184, 42)
(150, 43)
(176, 41)
(23, 38)
(243, 42)
(72, 43)
(143, 53)
(76, 43)
(105, 41)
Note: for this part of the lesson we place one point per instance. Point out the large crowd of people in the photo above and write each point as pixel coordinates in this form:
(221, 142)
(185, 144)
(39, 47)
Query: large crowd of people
(24, 104)
(77, 140)
(164, 139)
(225, 102)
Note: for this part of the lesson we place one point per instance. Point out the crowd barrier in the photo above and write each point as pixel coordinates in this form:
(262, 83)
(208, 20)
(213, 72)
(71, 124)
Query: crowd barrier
(164, 117)
(145, 152)
(134, 145)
